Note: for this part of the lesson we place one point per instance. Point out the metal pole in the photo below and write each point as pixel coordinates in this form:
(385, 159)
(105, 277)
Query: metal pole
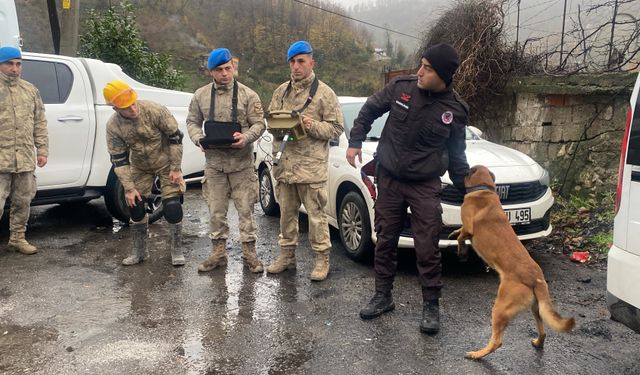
(613, 26)
(55, 25)
(518, 27)
(564, 17)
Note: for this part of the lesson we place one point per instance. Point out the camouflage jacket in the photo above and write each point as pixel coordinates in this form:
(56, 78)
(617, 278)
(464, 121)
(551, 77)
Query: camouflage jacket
(250, 117)
(305, 160)
(146, 140)
(23, 126)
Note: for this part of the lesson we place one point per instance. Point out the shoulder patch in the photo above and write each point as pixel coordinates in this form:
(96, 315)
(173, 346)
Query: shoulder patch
(447, 117)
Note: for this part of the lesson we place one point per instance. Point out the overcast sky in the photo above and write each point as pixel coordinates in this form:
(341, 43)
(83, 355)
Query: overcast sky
(538, 18)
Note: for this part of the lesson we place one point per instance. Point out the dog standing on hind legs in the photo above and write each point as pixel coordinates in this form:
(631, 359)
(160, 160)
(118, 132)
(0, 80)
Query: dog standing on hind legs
(522, 283)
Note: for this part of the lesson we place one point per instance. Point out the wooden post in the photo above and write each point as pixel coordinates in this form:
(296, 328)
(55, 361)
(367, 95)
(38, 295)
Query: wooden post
(69, 21)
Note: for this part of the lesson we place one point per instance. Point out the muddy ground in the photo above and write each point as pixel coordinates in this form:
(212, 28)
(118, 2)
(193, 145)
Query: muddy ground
(73, 309)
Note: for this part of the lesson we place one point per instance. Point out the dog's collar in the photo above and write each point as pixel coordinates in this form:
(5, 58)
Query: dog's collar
(471, 189)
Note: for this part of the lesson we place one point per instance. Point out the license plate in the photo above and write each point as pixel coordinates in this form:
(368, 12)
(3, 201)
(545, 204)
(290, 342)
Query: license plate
(519, 215)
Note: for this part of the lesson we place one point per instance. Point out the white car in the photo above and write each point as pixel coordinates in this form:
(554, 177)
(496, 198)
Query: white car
(523, 186)
(623, 268)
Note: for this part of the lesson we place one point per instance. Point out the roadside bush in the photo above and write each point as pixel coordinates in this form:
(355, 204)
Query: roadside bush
(584, 223)
(113, 37)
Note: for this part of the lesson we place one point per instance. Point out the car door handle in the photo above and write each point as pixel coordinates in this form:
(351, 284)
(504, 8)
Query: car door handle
(70, 118)
(335, 165)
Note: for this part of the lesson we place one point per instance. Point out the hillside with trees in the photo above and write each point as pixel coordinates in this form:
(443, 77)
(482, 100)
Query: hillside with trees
(258, 32)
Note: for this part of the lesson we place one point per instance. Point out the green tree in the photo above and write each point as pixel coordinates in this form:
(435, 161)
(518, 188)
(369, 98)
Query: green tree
(113, 37)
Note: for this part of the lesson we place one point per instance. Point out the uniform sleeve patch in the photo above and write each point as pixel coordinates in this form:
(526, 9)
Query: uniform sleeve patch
(447, 117)
(258, 107)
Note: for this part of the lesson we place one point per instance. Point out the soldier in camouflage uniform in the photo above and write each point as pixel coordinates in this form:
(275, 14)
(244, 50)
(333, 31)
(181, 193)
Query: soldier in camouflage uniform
(302, 172)
(144, 141)
(229, 171)
(23, 130)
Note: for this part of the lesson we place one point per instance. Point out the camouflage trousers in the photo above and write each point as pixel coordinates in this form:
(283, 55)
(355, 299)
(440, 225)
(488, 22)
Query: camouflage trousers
(241, 187)
(314, 198)
(143, 182)
(20, 188)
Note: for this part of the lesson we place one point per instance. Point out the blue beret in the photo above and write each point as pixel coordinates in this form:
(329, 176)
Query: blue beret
(9, 53)
(297, 48)
(218, 57)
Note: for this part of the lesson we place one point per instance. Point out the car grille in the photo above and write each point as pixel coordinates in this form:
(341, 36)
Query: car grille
(521, 229)
(516, 193)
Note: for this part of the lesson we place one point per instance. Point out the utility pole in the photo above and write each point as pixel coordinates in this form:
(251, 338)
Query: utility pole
(69, 21)
(613, 27)
(518, 32)
(564, 16)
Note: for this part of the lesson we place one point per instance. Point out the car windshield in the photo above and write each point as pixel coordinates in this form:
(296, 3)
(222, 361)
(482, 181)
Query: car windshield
(351, 110)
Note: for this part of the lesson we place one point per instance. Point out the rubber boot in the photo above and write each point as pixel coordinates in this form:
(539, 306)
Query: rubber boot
(380, 303)
(177, 257)
(17, 242)
(218, 256)
(250, 258)
(430, 323)
(286, 260)
(139, 234)
(321, 267)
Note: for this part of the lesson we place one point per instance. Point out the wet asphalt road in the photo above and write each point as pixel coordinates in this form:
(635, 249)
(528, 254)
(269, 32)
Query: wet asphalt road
(73, 309)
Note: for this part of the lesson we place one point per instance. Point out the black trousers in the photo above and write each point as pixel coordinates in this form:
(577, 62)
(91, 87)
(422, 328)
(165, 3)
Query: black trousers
(423, 197)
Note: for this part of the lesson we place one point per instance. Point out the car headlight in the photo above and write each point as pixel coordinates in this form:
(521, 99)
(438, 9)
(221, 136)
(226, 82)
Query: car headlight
(545, 179)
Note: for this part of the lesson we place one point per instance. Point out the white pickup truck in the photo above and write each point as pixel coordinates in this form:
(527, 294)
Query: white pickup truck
(79, 168)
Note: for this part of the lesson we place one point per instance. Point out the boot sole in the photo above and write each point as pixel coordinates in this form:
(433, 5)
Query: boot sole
(318, 278)
(132, 264)
(207, 269)
(17, 250)
(371, 316)
(289, 267)
(429, 331)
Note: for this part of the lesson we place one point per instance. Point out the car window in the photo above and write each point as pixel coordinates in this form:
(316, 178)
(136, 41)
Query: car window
(351, 110)
(53, 80)
(470, 135)
(633, 151)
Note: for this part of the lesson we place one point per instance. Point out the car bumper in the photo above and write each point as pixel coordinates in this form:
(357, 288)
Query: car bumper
(623, 279)
(538, 227)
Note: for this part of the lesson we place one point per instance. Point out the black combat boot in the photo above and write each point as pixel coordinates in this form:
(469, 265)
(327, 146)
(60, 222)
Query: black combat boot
(380, 303)
(430, 323)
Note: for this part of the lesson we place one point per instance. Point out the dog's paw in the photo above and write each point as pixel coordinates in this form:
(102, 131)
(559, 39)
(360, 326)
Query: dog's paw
(538, 343)
(455, 234)
(473, 355)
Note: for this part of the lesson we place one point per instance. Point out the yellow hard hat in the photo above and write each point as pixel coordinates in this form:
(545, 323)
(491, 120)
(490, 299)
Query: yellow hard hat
(119, 94)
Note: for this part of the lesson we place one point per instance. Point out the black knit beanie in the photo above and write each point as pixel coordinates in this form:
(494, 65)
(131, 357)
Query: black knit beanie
(444, 59)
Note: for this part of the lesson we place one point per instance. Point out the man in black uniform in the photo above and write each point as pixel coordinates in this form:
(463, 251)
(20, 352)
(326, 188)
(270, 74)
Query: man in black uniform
(423, 137)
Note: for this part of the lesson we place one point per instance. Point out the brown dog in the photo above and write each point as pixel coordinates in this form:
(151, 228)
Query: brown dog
(522, 283)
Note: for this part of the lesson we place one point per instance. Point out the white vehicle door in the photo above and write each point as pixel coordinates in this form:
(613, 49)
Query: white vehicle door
(633, 171)
(9, 32)
(66, 96)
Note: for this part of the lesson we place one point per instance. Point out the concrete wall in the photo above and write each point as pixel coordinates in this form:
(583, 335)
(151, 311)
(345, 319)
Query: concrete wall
(571, 125)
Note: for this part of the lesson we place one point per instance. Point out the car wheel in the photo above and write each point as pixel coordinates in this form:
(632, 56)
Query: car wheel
(267, 198)
(355, 227)
(117, 206)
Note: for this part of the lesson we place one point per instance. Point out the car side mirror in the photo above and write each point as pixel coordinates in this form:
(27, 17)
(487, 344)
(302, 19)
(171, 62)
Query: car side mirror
(334, 142)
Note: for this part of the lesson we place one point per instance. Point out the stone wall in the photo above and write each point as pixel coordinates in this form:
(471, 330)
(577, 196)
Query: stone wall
(573, 126)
